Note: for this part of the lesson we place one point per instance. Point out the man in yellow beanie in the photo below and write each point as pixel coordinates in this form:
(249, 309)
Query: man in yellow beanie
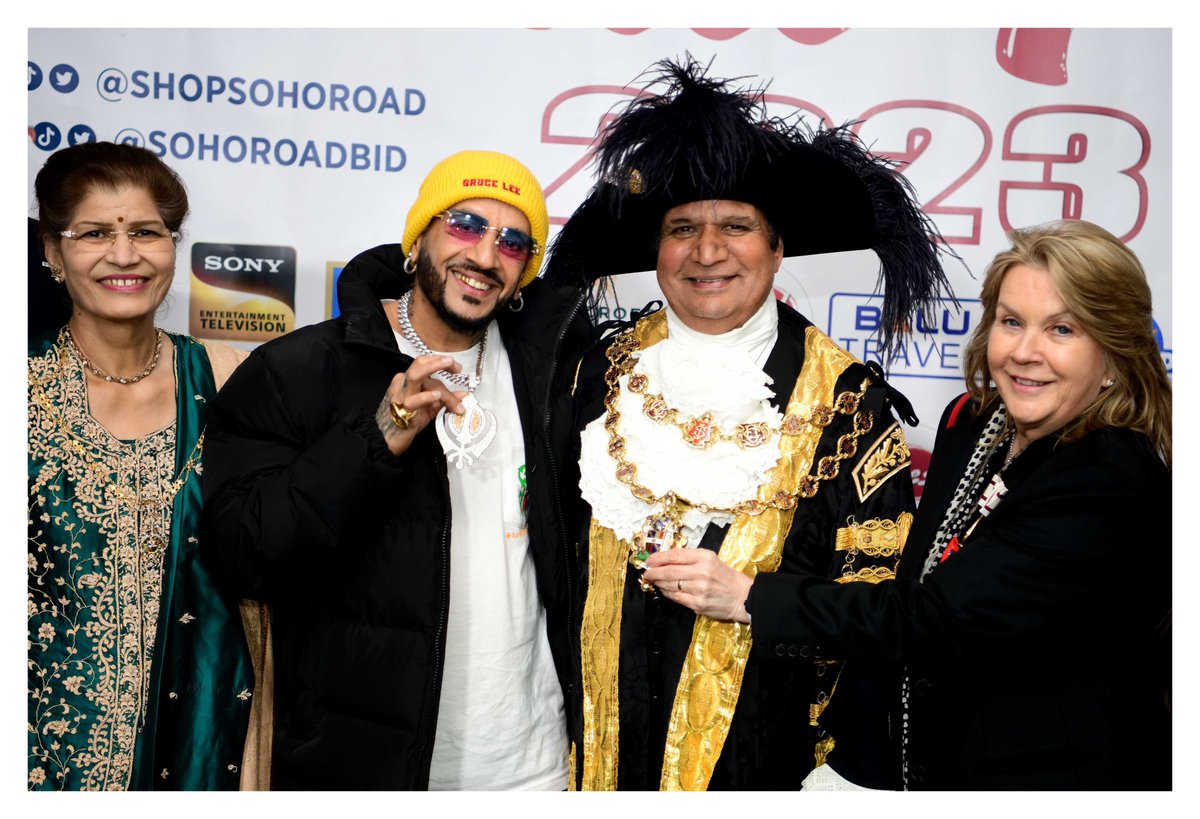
(387, 482)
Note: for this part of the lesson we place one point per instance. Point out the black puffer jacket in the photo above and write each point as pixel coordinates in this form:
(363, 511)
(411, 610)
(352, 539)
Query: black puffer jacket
(307, 510)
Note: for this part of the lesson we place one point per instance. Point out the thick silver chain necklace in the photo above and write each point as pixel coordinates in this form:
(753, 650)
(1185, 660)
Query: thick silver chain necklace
(464, 437)
(464, 380)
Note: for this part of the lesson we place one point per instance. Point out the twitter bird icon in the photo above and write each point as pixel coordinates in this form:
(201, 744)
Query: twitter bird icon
(64, 78)
(80, 133)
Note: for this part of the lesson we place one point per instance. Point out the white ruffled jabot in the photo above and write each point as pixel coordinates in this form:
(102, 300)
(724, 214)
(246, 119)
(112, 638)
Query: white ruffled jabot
(695, 373)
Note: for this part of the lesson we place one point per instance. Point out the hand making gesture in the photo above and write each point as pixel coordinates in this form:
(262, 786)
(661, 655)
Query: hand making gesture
(414, 398)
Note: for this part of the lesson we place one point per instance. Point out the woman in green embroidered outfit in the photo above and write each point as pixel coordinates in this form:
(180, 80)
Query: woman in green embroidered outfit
(139, 676)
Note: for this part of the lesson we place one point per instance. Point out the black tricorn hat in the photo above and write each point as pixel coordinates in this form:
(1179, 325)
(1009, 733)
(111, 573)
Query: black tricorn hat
(822, 191)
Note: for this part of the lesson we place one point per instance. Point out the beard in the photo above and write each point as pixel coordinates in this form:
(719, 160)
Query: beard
(433, 286)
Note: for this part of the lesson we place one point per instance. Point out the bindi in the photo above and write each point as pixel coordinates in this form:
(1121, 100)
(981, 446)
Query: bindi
(120, 219)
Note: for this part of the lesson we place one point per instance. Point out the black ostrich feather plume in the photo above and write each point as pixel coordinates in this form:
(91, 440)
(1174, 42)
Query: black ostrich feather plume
(690, 137)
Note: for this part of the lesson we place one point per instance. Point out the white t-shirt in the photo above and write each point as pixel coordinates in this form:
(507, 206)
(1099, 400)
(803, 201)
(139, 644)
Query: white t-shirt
(500, 723)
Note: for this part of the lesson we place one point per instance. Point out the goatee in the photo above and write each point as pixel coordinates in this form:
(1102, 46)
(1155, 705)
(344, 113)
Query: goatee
(433, 287)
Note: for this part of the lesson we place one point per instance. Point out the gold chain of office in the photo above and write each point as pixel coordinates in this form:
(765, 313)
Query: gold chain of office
(621, 360)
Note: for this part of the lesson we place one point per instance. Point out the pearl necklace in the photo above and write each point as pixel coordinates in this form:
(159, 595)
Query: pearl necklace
(1011, 453)
(113, 379)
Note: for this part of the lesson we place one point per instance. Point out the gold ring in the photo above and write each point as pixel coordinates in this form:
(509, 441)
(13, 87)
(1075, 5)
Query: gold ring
(402, 417)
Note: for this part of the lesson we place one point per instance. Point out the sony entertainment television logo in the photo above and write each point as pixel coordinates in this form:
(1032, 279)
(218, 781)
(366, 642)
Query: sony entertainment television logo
(242, 292)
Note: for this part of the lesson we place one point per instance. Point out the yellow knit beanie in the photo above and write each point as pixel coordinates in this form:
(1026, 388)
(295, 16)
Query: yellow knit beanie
(481, 175)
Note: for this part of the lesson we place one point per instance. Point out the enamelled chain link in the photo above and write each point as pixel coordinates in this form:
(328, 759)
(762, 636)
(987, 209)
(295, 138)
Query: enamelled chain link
(701, 433)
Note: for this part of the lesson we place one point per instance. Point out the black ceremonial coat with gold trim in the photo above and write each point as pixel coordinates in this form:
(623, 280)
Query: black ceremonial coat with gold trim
(770, 741)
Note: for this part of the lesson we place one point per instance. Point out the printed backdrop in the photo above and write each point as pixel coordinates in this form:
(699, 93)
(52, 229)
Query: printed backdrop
(301, 148)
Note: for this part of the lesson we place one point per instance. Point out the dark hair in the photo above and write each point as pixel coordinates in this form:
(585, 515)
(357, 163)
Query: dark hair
(71, 174)
(1104, 286)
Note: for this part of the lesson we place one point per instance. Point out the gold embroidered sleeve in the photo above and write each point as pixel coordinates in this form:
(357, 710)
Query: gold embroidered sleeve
(875, 542)
(883, 459)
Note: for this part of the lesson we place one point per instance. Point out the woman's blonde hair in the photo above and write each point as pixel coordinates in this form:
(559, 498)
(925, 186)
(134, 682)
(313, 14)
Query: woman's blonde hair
(1105, 288)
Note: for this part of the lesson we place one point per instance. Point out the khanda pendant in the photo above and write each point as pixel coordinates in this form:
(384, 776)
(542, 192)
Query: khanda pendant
(465, 437)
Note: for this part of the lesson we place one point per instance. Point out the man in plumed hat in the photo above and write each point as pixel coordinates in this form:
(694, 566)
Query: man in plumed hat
(386, 482)
(726, 437)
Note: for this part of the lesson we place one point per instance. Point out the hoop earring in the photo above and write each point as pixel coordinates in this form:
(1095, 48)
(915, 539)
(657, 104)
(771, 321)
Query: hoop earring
(517, 303)
(409, 265)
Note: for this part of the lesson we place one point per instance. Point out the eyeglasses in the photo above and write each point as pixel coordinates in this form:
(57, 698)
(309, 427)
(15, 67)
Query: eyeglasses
(467, 227)
(146, 239)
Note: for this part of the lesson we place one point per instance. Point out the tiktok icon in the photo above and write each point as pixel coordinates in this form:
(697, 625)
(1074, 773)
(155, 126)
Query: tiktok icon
(45, 135)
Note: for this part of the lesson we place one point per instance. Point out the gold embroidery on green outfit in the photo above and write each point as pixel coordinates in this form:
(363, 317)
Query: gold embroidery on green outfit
(101, 550)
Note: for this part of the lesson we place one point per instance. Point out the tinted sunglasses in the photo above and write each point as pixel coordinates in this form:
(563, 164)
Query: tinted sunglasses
(467, 227)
